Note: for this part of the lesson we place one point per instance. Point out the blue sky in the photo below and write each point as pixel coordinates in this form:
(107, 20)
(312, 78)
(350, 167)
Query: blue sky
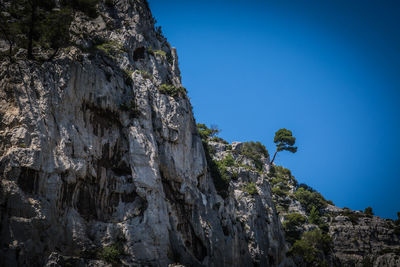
(327, 70)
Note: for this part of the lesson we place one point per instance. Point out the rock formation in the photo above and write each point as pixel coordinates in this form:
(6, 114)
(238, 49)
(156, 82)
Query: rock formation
(101, 164)
(358, 239)
(101, 161)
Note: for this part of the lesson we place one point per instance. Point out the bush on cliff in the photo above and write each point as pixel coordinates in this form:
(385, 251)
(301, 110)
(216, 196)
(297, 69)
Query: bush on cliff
(254, 151)
(205, 132)
(309, 198)
(250, 188)
(171, 90)
(311, 249)
(112, 253)
(368, 211)
(292, 226)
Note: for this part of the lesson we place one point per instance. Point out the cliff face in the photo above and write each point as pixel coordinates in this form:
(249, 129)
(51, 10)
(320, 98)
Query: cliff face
(356, 239)
(100, 166)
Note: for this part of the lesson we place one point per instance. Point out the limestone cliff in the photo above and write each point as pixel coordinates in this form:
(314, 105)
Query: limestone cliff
(356, 238)
(101, 162)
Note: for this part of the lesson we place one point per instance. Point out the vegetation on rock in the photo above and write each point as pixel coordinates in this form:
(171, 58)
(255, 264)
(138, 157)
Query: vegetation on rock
(218, 169)
(368, 211)
(255, 151)
(292, 226)
(311, 249)
(171, 90)
(206, 132)
(310, 198)
(251, 188)
(314, 217)
(111, 48)
(145, 74)
(111, 253)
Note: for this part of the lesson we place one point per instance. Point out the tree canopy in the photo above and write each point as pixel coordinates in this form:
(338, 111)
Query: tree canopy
(284, 140)
(206, 132)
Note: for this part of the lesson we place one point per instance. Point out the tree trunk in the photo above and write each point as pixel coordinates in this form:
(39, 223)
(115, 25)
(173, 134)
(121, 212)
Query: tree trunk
(10, 42)
(272, 161)
(31, 29)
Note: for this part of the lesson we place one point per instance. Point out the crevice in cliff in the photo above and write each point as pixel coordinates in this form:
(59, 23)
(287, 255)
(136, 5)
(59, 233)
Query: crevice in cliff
(190, 240)
(28, 180)
(101, 119)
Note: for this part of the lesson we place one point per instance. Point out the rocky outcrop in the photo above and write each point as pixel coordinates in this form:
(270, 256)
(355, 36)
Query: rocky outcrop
(99, 167)
(358, 239)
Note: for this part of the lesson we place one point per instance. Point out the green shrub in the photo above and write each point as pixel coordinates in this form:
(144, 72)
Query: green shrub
(145, 74)
(311, 248)
(251, 188)
(160, 53)
(221, 177)
(353, 217)
(235, 175)
(218, 169)
(219, 140)
(368, 211)
(283, 204)
(314, 216)
(279, 192)
(218, 172)
(111, 48)
(229, 147)
(171, 90)
(170, 58)
(128, 76)
(283, 186)
(112, 253)
(279, 174)
(307, 188)
(292, 226)
(305, 250)
(330, 202)
(324, 227)
(205, 132)
(294, 219)
(309, 199)
(229, 161)
(254, 151)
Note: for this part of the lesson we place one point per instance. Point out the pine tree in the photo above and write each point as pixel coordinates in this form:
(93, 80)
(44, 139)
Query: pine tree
(368, 211)
(284, 141)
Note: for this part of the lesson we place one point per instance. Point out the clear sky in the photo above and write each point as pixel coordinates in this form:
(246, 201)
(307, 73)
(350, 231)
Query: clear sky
(327, 70)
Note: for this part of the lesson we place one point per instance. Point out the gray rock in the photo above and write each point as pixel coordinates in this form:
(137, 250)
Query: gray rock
(93, 156)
